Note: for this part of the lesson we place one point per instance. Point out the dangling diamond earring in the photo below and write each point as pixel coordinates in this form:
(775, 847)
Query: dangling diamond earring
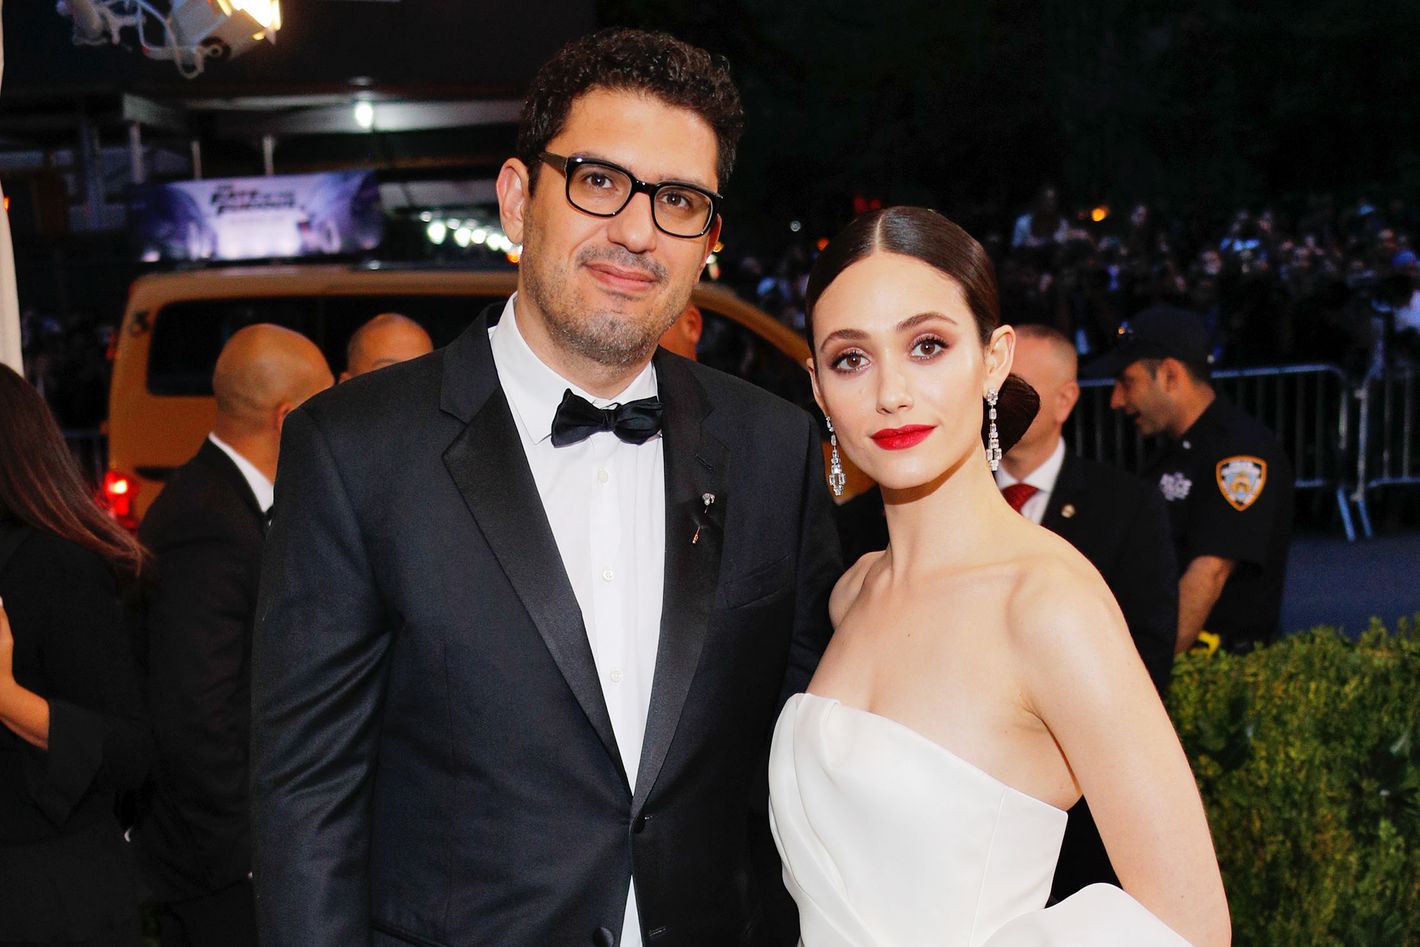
(993, 437)
(836, 478)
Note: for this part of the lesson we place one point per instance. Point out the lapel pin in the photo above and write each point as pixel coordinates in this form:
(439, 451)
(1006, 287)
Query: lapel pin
(1068, 510)
(707, 499)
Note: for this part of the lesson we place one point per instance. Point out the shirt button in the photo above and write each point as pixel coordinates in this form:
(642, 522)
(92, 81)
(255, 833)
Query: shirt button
(608, 575)
(602, 475)
(615, 676)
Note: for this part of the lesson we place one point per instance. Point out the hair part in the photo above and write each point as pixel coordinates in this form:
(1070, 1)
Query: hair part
(928, 237)
(626, 60)
(40, 484)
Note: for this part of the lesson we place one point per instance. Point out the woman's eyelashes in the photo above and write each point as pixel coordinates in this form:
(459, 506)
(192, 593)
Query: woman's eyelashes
(924, 348)
(849, 361)
(927, 347)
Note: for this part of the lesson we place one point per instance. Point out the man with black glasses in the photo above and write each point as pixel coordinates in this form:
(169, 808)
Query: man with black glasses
(532, 604)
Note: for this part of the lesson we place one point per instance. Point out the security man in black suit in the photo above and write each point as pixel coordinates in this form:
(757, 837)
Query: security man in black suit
(1227, 482)
(205, 532)
(1117, 521)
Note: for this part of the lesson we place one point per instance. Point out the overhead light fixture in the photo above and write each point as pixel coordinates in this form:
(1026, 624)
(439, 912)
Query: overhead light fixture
(364, 114)
(189, 33)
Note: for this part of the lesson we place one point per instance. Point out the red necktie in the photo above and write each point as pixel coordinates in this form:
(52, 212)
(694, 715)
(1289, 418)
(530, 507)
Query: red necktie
(1018, 493)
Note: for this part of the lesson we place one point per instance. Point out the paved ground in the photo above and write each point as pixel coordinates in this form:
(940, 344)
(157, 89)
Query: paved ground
(1333, 582)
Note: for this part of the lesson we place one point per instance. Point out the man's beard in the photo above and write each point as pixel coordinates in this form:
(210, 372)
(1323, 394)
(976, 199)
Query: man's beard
(604, 336)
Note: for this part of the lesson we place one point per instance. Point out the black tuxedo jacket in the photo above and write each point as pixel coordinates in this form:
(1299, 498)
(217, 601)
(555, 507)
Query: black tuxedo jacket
(205, 532)
(1121, 525)
(434, 762)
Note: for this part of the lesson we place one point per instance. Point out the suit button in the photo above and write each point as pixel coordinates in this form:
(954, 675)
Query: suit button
(603, 937)
(640, 824)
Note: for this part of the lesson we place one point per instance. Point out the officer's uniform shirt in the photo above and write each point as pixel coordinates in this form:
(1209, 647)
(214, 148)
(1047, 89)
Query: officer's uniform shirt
(1228, 487)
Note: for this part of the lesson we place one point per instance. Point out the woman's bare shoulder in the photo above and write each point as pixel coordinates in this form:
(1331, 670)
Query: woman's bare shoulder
(845, 592)
(1057, 594)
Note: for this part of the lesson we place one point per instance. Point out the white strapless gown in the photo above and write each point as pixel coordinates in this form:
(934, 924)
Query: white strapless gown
(889, 840)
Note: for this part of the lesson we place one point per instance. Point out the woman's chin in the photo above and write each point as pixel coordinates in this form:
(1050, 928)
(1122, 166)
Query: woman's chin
(902, 480)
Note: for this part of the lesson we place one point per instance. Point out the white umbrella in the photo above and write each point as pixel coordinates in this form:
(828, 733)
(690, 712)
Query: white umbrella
(9, 300)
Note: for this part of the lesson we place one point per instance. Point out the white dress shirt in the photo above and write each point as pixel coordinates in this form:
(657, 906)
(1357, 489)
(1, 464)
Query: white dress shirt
(261, 488)
(1042, 478)
(606, 502)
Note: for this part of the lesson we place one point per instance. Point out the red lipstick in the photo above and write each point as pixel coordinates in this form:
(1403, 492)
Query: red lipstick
(901, 438)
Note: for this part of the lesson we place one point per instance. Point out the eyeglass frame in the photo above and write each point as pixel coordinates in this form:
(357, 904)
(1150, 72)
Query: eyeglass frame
(565, 163)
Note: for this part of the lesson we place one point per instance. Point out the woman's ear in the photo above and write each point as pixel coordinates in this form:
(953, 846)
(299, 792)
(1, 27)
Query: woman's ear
(813, 380)
(1000, 354)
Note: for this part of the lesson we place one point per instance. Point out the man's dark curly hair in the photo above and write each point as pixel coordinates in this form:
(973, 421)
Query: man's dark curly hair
(623, 60)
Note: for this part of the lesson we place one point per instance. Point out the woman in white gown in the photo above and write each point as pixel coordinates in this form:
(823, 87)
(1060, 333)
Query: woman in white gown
(980, 676)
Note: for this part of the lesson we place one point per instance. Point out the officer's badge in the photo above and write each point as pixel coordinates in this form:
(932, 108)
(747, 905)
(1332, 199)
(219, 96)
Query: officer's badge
(1241, 479)
(1175, 486)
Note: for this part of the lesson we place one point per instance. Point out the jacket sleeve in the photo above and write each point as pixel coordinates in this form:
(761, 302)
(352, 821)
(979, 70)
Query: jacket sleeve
(819, 566)
(98, 734)
(1147, 586)
(318, 669)
(199, 641)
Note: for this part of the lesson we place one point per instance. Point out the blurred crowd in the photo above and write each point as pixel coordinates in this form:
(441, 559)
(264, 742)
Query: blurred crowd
(68, 364)
(1327, 283)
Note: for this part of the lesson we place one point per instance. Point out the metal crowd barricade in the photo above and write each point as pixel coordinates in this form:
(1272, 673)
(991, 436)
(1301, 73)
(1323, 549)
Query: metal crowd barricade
(1387, 442)
(1307, 406)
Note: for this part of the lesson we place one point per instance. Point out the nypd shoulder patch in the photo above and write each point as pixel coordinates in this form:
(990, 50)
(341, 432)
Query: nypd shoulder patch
(1241, 479)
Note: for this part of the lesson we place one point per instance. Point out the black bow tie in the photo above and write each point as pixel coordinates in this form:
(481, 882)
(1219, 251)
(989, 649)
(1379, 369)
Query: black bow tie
(577, 419)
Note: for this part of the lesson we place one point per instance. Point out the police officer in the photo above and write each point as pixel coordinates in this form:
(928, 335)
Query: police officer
(1226, 480)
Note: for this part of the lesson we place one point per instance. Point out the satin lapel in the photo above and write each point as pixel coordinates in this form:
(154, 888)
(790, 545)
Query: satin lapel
(491, 470)
(694, 466)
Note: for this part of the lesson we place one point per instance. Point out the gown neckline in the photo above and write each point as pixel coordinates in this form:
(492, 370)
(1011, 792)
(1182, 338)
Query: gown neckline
(920, 737)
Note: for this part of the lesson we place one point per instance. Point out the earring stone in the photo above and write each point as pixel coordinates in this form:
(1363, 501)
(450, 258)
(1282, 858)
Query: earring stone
(837, 480)
(993, 437)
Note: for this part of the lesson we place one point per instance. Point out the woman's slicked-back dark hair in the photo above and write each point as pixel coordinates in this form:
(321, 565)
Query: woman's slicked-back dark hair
(624, 60)
(40, 484)
(928, 237)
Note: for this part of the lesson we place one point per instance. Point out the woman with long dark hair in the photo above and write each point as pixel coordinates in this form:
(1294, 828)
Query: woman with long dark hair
(74, 734)
(980, 677)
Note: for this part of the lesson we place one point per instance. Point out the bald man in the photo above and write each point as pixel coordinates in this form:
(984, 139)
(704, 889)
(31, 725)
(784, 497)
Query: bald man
(1116, 520)
(205, 531)
(387, 339)
(684, 334)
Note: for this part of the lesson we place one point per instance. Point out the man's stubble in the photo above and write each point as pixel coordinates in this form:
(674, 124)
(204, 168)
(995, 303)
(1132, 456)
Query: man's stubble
(601, 335)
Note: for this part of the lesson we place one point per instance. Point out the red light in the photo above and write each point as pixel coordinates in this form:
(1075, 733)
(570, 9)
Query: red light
(116, 495)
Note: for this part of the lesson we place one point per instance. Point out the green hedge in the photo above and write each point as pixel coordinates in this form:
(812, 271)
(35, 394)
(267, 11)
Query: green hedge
(1307, 753)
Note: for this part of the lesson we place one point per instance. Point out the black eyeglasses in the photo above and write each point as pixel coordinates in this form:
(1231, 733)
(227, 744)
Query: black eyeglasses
(603, 189)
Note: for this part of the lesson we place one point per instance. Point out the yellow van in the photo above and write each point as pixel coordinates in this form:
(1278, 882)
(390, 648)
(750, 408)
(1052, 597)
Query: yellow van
(160, 401)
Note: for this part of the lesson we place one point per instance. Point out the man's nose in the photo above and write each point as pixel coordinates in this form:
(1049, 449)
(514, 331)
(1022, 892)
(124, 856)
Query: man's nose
(1116, 396)
(635, 227)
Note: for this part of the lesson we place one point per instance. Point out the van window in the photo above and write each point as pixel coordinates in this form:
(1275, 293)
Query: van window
(443, 317)
(188, 336)
(736, 350)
